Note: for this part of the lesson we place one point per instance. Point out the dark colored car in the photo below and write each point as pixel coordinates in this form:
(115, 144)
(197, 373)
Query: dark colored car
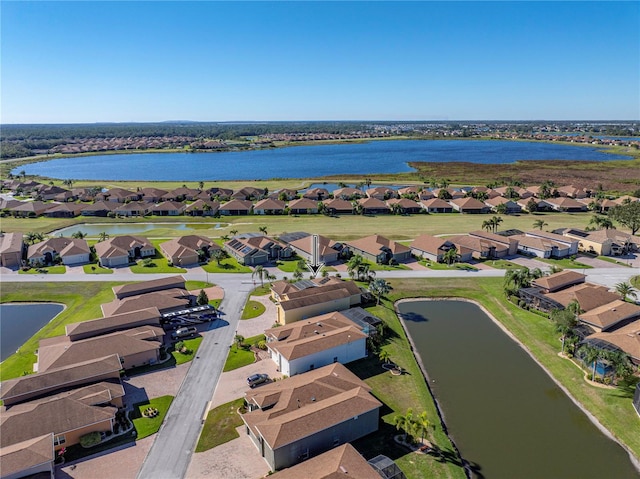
(256, 379)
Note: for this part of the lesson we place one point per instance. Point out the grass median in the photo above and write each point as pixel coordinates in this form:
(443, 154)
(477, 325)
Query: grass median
(220, 426)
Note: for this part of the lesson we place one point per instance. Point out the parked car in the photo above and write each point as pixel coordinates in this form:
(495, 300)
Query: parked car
(185, 332)
(256, 379)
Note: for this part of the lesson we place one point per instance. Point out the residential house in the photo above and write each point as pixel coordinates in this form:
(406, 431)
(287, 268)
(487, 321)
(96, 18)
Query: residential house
(120, 195)
(626, 338)
(412, 192)
(315, 342)
(111, 324)
(252, 249)
(316, 194)
(588, 296)
(308, 298)
(153, 195)
(511, 242)
(64, 210)
(181, 194)
(546, 245)
(610, 316)
(434, 248)
(133, 208)
(248, 193)
(425, 195)
(533, 204)
(452, 192)
(348, 193)
(269, 206)
(99, 208)
(342, 462)
(511, 206)
(338, 206)
(557, 281)
(150, 286)
(30, 209)
(31, 458)
(168, 208)
(379, 249)
(48, 192)
(188, 250)
(469, 205)
(566, 205)
(286, 194)
(202, 207)
(235, 208)
(121, 250)
(605, 242)
(573, 192)
(11, 250)
(138, 346)
(404, 205)
(167, 301)
(221, 194)
(328, 250)
(308, 414)
(479, 247)
(436, 205)
(71, 251)
(372, 206)
(303, 206)
(381, 193)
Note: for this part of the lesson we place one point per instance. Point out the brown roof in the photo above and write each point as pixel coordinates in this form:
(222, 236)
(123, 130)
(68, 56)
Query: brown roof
(59, 415)
(303, 204)
(403, 202)
(325, 245)
(237, 205)
(61, 351)
(374, 244)
(468, 203)
(475, 243)
(314, 296)
(11, 243)
(109, 324)
(26, 454)
(588, 296)
(121, 245)
(496, 238)
(610, 314)
(552, 236)
(342, 462)
(372, 203)
(307, 403)
(62, 246)
(540, 244)
(141, 287)
(57, 378)
(565, 202)
(626, 338)
(164, 300)
(186, 246)
(429, 244)
(559, 280)
(338, 204)
(322, 341)
(269, 204)
(436, 203)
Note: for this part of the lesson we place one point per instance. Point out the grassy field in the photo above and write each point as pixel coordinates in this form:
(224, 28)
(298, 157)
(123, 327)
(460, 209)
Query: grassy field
(220, 425)
(228, 265)
(192, 345)
(340, 228)
(82, 300)
(252, 309)
(611, 406)
(96, 269)
(502, 264)
(59, 269)
(146, 426)
(240, 357)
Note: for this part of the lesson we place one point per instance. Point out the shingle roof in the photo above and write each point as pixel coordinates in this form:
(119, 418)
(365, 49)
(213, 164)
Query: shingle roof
(588, 296)
(62, 246)
(164, 300)
(294, 348)
(429, 244)
(610, 314)
(11, 243)
(375, 243)
(141, 287)
(109, 324)
(559, 280)
(26, 454)
(626, 338)
(269, 204)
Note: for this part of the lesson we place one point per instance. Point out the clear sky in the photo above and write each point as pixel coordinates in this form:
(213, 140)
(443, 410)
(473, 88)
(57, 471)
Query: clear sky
(71, 62)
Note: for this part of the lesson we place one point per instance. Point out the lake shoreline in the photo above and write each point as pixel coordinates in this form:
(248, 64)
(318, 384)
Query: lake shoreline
(634, 460)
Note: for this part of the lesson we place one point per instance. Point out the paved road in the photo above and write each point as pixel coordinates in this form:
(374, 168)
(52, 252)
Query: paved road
(171, 451)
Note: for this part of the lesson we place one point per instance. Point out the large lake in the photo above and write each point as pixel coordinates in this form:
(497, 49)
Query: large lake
(503, 411)
(18, 322)
(304, 161)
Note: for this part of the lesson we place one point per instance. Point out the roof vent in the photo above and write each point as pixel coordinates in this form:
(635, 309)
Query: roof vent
(313, 398)
(316, 331)
(344, 469)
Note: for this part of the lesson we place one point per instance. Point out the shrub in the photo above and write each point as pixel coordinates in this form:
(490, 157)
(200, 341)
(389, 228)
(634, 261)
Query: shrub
(91, 439)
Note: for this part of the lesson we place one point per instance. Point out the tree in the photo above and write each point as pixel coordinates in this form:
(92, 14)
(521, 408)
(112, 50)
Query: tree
(239, 340)
(495, 222)
(444, 194)
(450, 256)
(384, 356)
(233, 232)
(78, 235)
(540, 224)
(627, 215)
(219, 255)
(565, 321)
(263, 229)
(626, 290)
(202, 298)
(590, 356)
(354, 264)
(379, 287)
(404, 422)
(68, 183)
(487, 225)
(201, 185)
(261, 273)
(532, 205)
(297, 274)
(23, 174)
(501, 209)
(516, 279)
(422, 424)
(102, 236)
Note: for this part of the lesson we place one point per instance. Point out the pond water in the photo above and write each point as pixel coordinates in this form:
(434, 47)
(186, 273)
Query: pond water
(304, 161)
(502, 410)
(18, 322)
(93, 230)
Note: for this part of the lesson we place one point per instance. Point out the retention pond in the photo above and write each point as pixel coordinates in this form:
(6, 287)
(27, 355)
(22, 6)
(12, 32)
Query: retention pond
(505, 414)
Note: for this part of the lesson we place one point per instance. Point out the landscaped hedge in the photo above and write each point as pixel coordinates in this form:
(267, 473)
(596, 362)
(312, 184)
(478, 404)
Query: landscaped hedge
(91, 439)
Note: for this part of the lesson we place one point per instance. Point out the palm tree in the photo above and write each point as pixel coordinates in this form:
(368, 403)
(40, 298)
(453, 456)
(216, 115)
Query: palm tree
(78, 235)
(626, 290)
(487, 225)
(590, 356)
(233, 232)
(354, 264)
(23, 174)
(263, 229)
(450, 256)
(379, 287)
(540, 224)
(261, 273)
(422, 424)
(565, 321)
(384, 356)
(239, 340)
(495, 222)
(201, 185)
(404, 422)
(102, 236)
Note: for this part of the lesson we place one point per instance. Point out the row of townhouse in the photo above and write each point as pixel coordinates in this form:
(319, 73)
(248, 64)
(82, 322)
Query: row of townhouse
(76, 389)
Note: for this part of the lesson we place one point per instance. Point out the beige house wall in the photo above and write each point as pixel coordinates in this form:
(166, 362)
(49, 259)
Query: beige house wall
(73, 437)
(140, 359)
(293, 315)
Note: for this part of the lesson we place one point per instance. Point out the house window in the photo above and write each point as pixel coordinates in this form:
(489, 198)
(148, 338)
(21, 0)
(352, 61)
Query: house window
(59, 440)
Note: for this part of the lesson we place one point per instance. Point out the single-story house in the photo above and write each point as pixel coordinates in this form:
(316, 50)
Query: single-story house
(221, 194)
(236, 208)
(308, 414)
(120, 195)
(111, 324)
(450, 192)
(557, 281)
(185, 250)
(11, 249)
(269, 206)
(167, 301)
(510, 205)
(315, 342)
(150, 286)
(248, 193)
(328, 250)
(316, 194)
(567, 205)
(611, 315)
(348, 193)
(64, 210)
(338, 206)
(168, 208)
(406, 205)
(436, 205)
(379, 249)
(480, 248)
(626, 338)
(605, 242)
(31, 458)
(99, 208)
(540, 247)
(566, 246)
(181, 194)
(381, 193)
(589, 296)
(252, 249)
(153, 195)
(572, 192)
(434, 248)
(373, 206)
(469, 205)
(285, 193)
(121, 250)
(70, 250)
(303, 206)
(202, 208)
(511, 242)
(133, 208)
(30, 209)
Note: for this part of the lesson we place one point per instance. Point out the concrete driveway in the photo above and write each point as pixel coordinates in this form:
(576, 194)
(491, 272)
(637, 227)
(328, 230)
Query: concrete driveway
(233, 384)
(237, 459)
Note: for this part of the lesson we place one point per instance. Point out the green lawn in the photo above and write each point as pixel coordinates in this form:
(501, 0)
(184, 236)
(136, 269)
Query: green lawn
(502, 264)
(386, 267)
(252, 309)
(635, 281)
(158, 264)
(565, 263)
(193, 285)
(220, 425)
(240, 357)
(289, 266)
(261, 290)
(59, 269)
(96, 269)
(191, 344)
(435, 266)
(146, 426)
(82, 300)
(228, 265)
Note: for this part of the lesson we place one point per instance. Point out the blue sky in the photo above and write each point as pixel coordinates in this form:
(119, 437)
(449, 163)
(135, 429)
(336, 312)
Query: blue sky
(70, 62)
